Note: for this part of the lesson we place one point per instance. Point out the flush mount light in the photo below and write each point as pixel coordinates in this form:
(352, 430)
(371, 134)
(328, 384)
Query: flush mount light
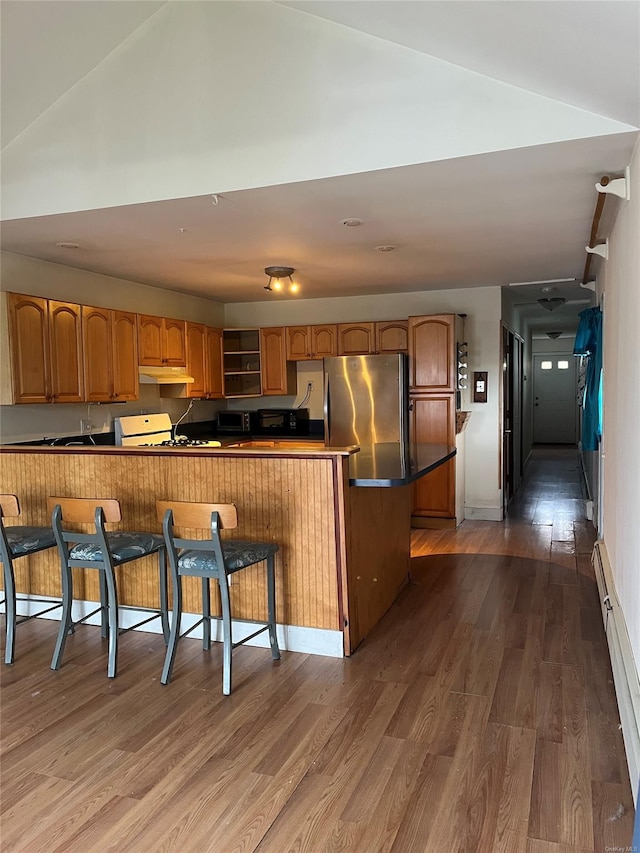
(351, 223)
(385, 248)
(553, 303)
(65, 245)
(277, 279)
(553, 335)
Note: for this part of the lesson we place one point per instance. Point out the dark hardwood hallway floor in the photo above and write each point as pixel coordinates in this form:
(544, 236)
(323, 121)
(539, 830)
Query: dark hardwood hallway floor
(479, 716)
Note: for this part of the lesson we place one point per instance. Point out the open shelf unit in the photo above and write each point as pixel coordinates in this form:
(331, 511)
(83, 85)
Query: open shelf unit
(242, 367)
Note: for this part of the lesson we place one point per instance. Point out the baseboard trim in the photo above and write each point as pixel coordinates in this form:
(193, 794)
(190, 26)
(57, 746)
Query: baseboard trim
(424, 522)
(625, 672)
(483, 513)
(291, 638)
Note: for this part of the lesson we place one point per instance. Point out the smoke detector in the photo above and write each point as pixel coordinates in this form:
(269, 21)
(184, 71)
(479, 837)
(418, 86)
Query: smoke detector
(351, 223)
(66, 245)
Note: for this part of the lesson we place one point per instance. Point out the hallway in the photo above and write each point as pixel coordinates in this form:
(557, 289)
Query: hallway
(478, 717)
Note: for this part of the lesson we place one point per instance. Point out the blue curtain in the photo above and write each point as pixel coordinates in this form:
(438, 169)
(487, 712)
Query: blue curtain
(589, 343)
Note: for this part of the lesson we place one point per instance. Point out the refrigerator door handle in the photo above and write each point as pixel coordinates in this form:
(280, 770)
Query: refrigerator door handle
(327, 409)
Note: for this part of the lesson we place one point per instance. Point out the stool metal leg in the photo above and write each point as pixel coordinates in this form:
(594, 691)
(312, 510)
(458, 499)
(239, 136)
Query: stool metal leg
(271, 604)
(174, 634)
(227, 647)
(104, 604)
(10, 610)
(164, 597)
(206, 614)
(66, 623)
(112, 612)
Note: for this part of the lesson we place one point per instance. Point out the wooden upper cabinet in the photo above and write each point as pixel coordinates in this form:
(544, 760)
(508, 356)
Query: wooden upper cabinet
(197, 359)
(125, 356)
(98, 354)
(161, 341)
(324, 340)
(392, 336)
(110, 355)
(29, 342)
(432, 348)
(46, 350)
(356, 338)
(278, 375)
(174, 350)
(311, 343)
(65, 342)
(214, 364)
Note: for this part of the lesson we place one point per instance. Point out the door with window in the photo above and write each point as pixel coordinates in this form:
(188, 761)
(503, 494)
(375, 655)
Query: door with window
(555, 410)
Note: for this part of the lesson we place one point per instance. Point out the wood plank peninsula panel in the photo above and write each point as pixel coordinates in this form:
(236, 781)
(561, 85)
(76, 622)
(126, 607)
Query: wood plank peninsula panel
(280, 498)
(341, 517)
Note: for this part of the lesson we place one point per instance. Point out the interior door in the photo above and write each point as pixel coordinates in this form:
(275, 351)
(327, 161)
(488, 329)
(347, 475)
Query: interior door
(554, 399)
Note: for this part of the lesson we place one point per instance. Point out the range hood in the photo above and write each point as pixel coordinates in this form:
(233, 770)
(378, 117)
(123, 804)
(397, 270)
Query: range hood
(164, 376)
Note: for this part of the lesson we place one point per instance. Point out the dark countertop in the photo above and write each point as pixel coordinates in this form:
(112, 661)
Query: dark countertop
(394, 464)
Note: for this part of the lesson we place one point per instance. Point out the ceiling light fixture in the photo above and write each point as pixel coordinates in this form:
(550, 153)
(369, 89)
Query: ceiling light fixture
(277, 279)
(553, 303)
(553, 335)
(65, 245)
(385, 248)
(351, 223)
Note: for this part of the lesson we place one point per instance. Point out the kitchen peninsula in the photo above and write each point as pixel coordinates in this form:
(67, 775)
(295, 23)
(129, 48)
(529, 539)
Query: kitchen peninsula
(340, 516)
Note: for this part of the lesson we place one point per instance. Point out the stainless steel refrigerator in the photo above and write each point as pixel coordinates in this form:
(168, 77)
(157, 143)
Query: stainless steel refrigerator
(366, 399)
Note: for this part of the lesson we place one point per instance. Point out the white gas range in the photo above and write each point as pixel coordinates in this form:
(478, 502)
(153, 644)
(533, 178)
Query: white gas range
(152, 431)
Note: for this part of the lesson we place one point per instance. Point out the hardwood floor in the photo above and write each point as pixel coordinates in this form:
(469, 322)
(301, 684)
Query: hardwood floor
(479, 716)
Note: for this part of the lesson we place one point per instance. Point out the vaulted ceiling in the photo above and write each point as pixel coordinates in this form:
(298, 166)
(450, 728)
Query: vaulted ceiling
(466, 135)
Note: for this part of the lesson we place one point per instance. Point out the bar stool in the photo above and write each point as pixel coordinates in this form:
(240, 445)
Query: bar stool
(19, 542)
(212, 558)
(104, 551)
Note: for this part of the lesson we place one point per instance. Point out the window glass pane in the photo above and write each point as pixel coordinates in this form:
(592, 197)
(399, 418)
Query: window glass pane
(563, 365)
(546, 365)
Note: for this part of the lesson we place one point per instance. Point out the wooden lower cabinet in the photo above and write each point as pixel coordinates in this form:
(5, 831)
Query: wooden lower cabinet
(433, 419)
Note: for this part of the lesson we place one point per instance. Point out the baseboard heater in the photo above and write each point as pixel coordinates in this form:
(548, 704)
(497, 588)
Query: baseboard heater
(625, 674)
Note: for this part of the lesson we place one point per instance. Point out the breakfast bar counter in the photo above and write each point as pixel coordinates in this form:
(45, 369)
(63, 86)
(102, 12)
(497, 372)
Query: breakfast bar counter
(341, 517)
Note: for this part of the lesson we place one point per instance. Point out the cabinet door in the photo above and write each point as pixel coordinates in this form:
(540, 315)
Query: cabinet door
(98, 354)
(432, 353)
(65, 341)
(125, 356)
(215, 386)
(150, 340)
(197, 359)
(433, 420)
(174, 349)
(356, 338)
(324, 341)
(29, 340)
(392, 336)
(277, 374)
(298, 343)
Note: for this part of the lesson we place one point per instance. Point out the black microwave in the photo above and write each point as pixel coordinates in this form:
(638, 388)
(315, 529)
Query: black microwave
(282, 422)
(230, 422)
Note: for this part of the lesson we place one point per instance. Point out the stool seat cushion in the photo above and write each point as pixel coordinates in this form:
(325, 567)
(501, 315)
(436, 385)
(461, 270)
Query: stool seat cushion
(237, 555)
(124, 546)
(27, 540)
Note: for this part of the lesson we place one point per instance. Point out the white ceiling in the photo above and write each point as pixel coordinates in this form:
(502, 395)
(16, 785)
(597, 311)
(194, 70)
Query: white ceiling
(490, 219)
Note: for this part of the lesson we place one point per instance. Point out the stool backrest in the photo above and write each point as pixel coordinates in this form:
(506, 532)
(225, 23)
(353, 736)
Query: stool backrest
(198, 515)
(9, 506)
(83, 510)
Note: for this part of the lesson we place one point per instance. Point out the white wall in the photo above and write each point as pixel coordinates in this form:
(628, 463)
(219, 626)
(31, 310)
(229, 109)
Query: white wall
(482, 331)
(620, 279)
(214, 97)
(54, 281)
